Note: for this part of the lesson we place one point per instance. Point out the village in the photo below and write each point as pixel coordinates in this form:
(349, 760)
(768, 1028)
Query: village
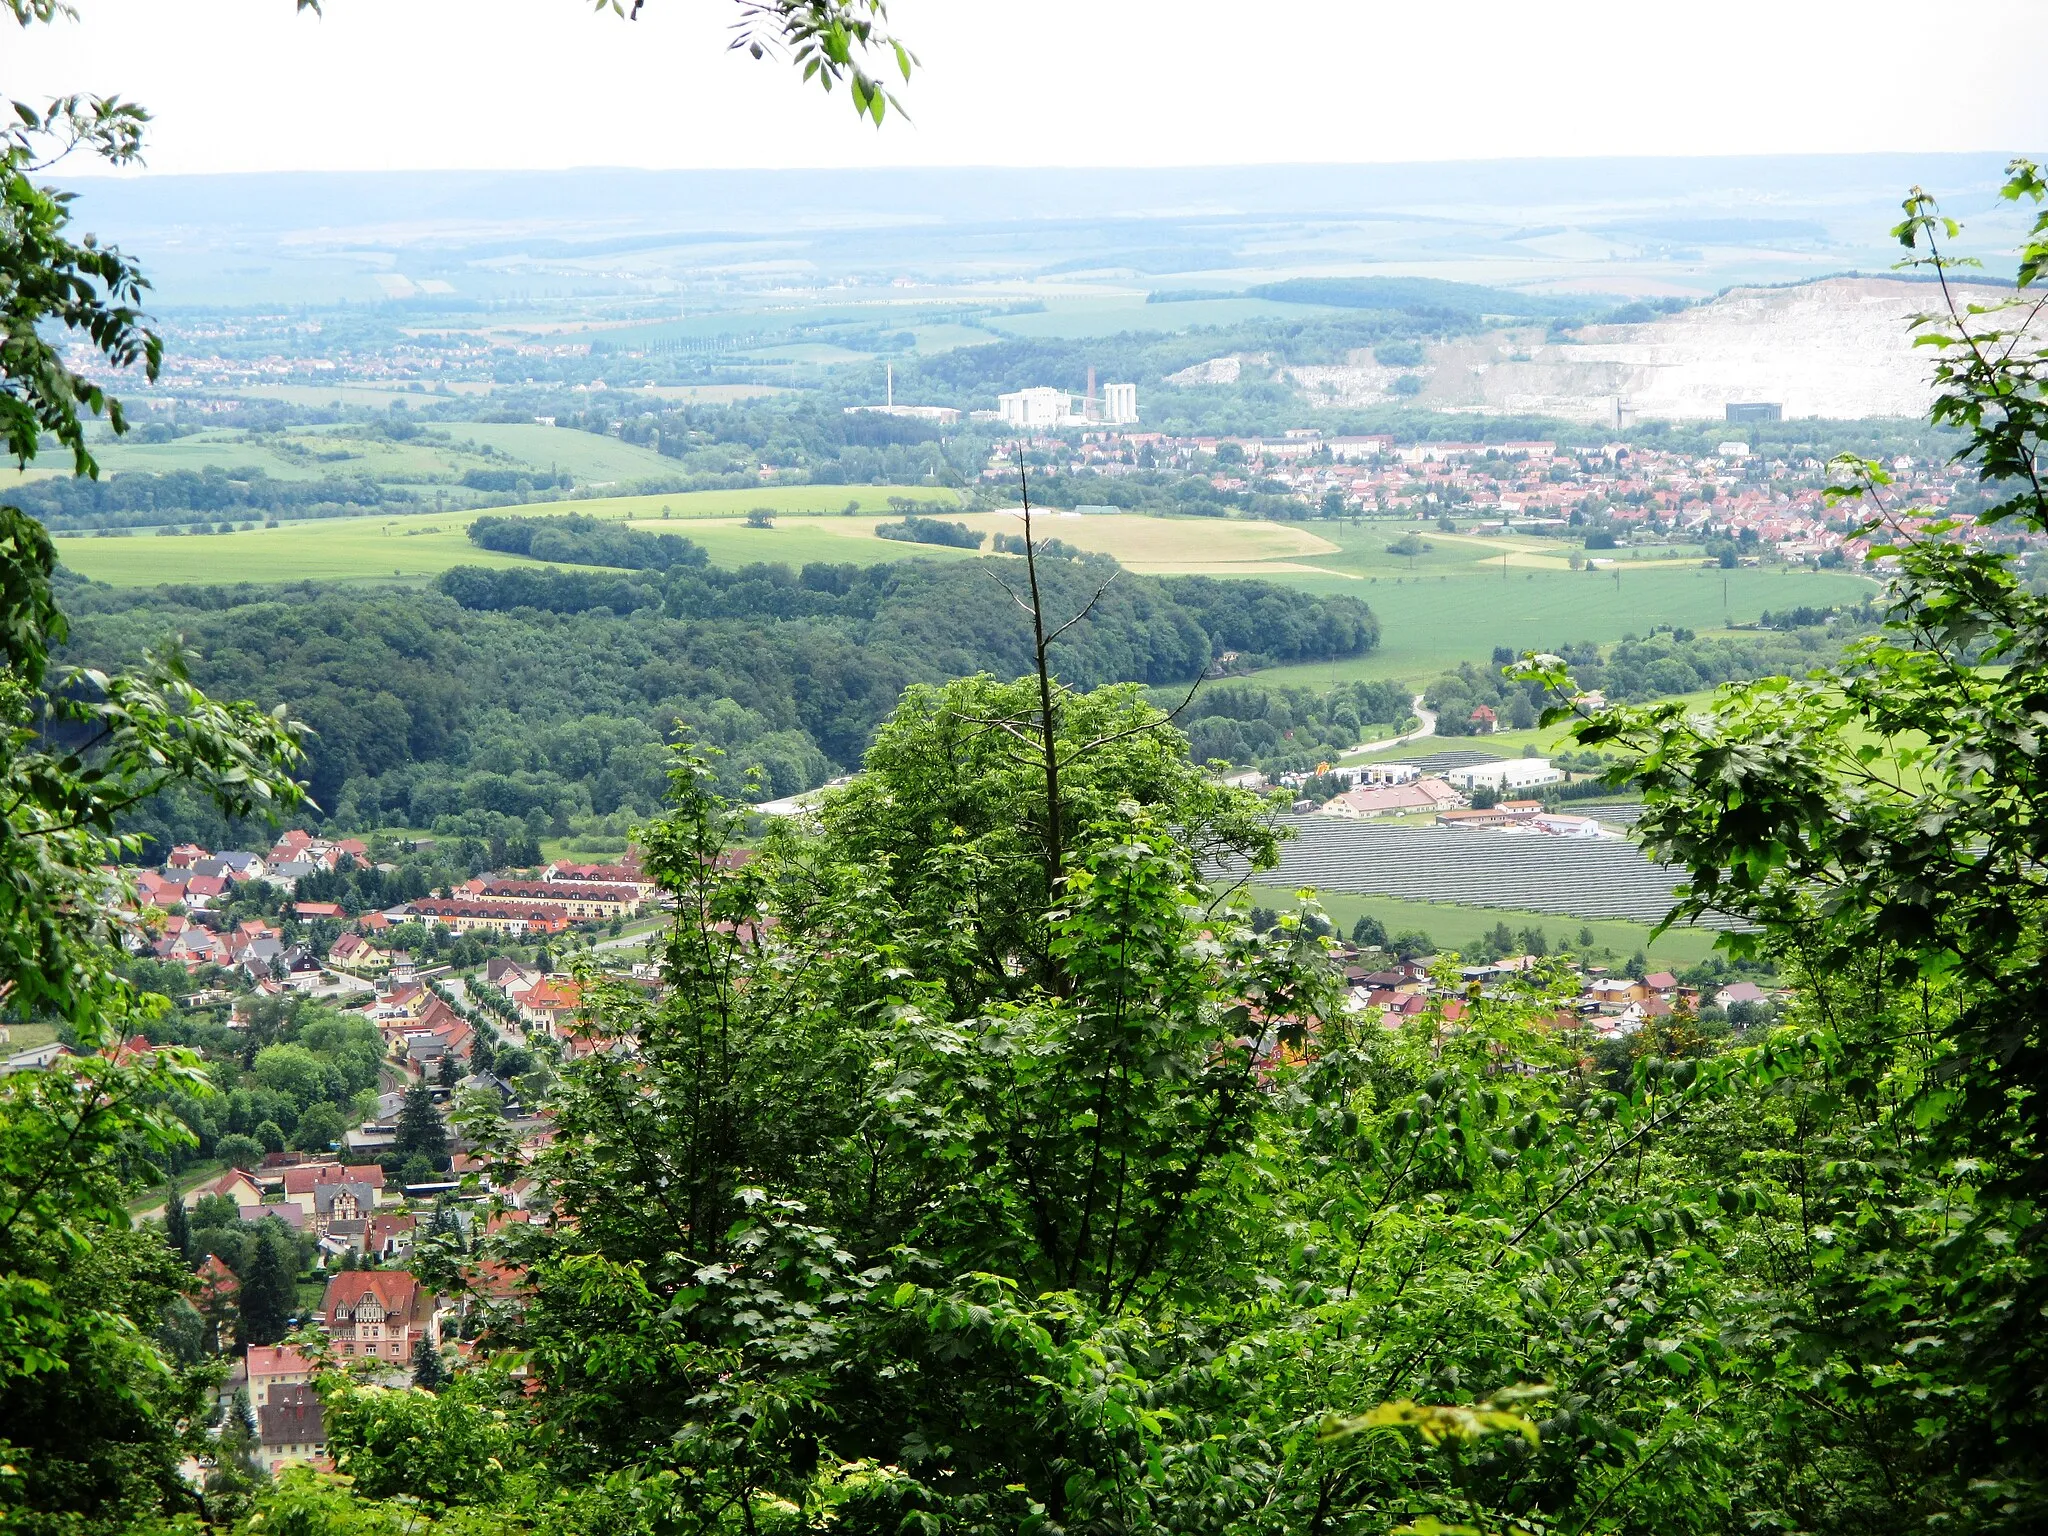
(1776, 508)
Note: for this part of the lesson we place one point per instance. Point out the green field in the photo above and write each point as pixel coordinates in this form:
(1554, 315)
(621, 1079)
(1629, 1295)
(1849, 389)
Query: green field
(586, 455)
(1430, 621)
(1112, 314)
(1453, 927)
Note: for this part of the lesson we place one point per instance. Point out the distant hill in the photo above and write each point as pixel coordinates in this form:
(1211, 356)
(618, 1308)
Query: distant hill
(1430, 296)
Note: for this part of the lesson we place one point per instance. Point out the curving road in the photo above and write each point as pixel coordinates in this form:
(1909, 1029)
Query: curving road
(1426, 728)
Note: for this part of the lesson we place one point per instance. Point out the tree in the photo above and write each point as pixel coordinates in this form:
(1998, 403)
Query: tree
(1877, 824)
(270, 1135)
(1369, 933)
(269, 1294)
(320, 1127)
(239, 1151)
(428, 1373)
(446, 1072)
(177, 1221)
(421, 1131)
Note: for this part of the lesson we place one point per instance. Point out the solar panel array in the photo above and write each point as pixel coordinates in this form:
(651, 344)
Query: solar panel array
(1573, 877)
(1444, 762)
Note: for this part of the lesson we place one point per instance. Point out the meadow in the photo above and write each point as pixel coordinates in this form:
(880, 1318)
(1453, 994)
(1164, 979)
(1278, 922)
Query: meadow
(415, 548)
(1077, 318)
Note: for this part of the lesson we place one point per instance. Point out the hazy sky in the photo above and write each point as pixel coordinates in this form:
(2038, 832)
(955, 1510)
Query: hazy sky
(240, 85)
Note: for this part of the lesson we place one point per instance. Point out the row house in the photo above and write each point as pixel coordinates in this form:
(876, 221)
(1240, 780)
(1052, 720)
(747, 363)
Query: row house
(513, 916)
(583, 903)
(628, 874)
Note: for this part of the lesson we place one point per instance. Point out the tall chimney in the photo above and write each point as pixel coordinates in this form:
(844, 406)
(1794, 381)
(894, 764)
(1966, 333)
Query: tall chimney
(1091, 384)
(891, 394)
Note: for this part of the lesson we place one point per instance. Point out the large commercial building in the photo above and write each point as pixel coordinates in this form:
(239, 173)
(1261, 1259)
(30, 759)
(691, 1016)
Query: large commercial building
(1117, 405)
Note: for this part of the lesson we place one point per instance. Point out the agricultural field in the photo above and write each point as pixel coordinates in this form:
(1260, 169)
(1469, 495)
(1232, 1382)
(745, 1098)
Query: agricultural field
(590, 458)
(1456, 926)
(1430, 623)
(1076, 317)
(414, 548)
(406, 551)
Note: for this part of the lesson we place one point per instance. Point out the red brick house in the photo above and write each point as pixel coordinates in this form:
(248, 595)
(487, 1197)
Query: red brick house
(376, 1314)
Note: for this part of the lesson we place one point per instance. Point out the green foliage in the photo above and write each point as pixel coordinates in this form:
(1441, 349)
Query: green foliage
(575, 539)
(474, 720)
(438, 1449)
(421, 1131)
(1876, 822)
(269, 1293)
(930, 530)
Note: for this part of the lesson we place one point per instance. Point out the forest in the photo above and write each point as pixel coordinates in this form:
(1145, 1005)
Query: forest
(547, 696)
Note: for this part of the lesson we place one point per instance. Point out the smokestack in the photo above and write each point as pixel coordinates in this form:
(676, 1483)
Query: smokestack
(890, 397)
(1091, 385)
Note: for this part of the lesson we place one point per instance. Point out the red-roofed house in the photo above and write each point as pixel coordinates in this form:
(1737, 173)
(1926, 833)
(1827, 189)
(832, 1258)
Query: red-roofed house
(185, 855)
(376, 1313)
(301, 1184)
(551, 1003)
(312, 909)
(236, 1184)
(275, 1366)
(217, 1278)
(390, 1234)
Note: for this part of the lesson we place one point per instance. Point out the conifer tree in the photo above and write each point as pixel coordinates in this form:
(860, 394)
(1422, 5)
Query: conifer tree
(268, 1295)
(428, 1373)
(177, 1221)
(420, 1131)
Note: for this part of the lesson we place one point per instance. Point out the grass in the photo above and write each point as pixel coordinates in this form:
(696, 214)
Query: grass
(586, 455)
(1116, 313)
(1456, 927)
(26, 1037)
(416, 547)
(1431, 622)
(399, 550)
(1454, 602)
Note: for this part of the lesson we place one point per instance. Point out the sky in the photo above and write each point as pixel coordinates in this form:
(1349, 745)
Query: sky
(247, 85)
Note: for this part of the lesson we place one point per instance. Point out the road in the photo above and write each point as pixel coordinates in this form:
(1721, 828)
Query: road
(1426, 728)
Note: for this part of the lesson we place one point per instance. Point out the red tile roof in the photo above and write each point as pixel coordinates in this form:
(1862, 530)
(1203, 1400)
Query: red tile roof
(303, 1181)
(396, 1291)
(277, 1360)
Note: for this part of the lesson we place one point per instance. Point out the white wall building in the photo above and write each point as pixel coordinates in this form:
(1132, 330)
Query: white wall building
(1509, 774)
(1119, 404)
(1041, 407)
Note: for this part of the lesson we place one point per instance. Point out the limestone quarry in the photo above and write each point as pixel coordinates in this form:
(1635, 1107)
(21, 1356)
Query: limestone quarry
(1840, 347)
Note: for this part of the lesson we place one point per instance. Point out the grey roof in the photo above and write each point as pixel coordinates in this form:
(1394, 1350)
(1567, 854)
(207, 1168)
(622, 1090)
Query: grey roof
(291, 1417)
(324, 1195)
(293, 1216)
